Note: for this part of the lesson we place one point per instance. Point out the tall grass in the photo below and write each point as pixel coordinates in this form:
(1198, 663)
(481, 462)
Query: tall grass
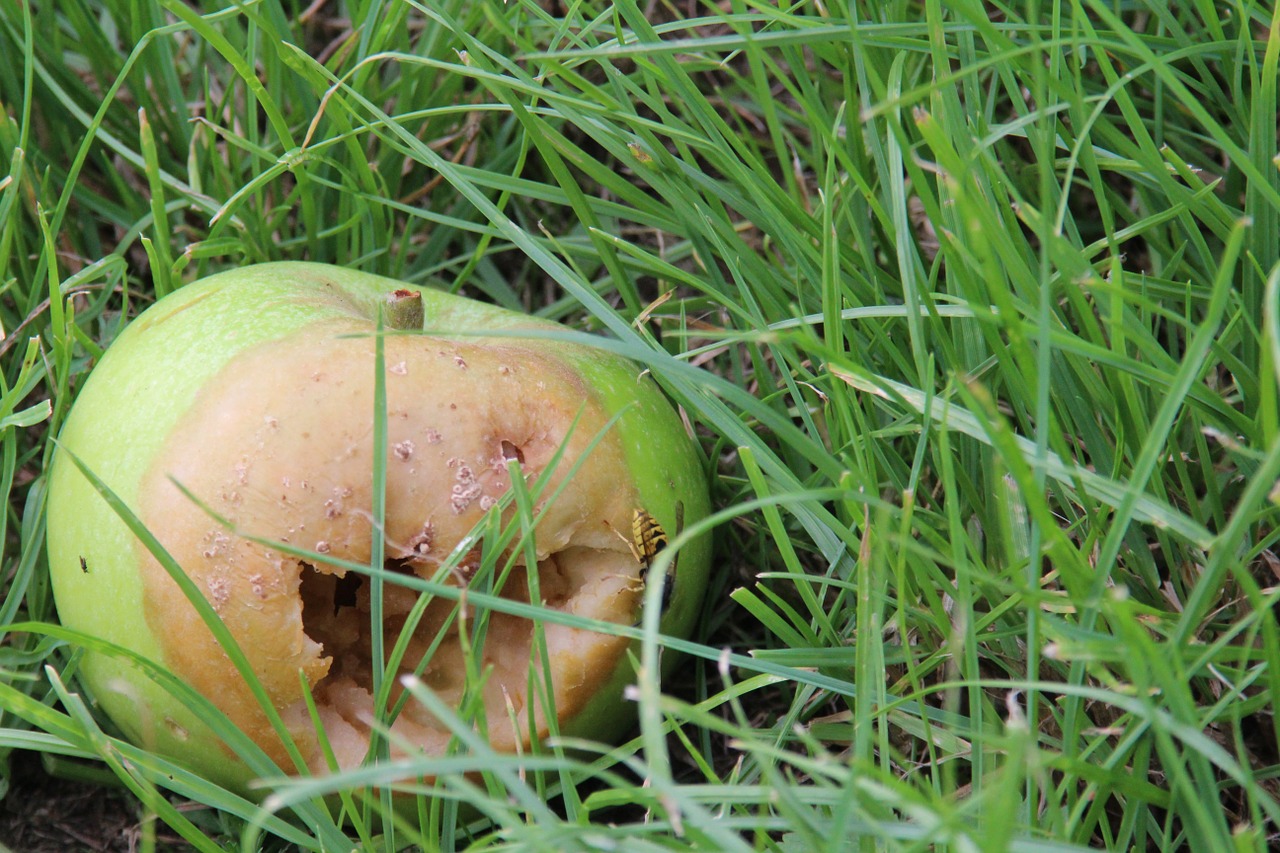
(975, 309)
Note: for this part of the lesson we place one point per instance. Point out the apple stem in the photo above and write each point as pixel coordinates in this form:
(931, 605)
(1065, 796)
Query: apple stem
(404, 310)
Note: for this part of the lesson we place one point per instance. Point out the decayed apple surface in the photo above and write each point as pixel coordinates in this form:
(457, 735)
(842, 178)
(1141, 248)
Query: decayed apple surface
(253, 390)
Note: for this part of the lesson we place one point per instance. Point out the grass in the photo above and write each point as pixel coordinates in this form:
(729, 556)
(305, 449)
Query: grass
(975, 309)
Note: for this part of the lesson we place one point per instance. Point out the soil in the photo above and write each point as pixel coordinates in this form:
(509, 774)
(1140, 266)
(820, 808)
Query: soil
(45, 814)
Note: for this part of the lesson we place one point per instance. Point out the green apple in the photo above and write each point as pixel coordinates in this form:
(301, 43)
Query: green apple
(241, 409)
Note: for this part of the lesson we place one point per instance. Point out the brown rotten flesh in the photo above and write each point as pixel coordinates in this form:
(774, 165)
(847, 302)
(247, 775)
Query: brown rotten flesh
(281, 445)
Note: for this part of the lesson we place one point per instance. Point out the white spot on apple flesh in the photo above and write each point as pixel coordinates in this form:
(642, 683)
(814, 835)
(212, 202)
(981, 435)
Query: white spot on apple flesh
(219, 592)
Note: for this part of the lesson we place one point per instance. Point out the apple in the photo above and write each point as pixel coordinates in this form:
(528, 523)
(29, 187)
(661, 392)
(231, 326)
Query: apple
(239, 410)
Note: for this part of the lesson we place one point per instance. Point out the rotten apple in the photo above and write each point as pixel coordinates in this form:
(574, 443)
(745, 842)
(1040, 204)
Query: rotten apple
(236, 419)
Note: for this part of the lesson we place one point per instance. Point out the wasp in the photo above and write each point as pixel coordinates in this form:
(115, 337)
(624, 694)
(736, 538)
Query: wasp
(648, 538)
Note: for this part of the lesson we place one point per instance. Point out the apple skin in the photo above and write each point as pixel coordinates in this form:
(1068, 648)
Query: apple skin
(140, 398)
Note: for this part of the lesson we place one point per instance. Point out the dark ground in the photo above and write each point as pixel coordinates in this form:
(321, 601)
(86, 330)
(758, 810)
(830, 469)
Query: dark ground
(44, 814)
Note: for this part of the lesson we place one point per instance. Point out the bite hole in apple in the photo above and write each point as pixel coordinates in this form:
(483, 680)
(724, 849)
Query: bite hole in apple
(336, 617)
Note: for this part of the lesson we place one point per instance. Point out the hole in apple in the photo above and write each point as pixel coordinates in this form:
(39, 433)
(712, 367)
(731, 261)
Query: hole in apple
(510, 451)
(345, 589)
(336, 616)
